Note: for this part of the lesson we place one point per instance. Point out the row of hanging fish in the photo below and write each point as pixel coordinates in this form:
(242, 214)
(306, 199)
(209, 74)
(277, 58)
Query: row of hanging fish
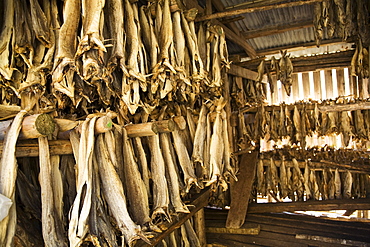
(298, 182)
(283, 68)
(343, 18)
(305, 119)
(114, 52)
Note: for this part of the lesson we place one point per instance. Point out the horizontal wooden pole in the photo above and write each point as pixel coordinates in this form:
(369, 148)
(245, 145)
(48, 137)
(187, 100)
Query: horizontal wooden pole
(30, 148)
(321, 107)
(33, 126)
(325, 205)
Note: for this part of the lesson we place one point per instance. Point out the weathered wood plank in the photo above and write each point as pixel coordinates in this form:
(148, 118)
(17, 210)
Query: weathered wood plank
(200, 227)
(331, 240)
(242, 72)
(241, 190)
(306, 85)
(340, 82)
(317, 84)
(329, 84)
(326, 205)
(295, 88)
(244, 10)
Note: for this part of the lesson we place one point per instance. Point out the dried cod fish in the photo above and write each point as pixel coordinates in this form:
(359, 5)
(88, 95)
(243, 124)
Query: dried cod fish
(64, 69)
(172, 175)
(283, 179)
(273, 176)
(52, 227)
(307, 182)
(137, 195)
(142, 161)
(158, 171)
(347, 186)
(115, 196)
(184, 160)
(8, 175)
(338, 185)
(200, 136)
(80, 210)
(6, 69)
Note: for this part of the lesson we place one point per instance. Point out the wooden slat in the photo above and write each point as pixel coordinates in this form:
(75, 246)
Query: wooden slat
(329, 84)
(241, 190)
(317, 84)
(360, 84)
(353, 84)
(200, 227)
(242, 72)
(340, 82)
(306, 85)
(327, 205)
(295, 88)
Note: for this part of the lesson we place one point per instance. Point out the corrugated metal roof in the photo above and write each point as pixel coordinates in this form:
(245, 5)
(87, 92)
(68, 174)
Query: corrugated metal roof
(273, 17)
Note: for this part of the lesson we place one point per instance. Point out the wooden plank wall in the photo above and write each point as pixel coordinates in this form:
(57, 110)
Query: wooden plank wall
(320, 85)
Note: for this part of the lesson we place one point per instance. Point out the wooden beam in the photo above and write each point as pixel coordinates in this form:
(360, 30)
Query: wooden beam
(254, 3)
(244, 10)
(277, 29)
(30, 148)
(242, 72)
(219, 6)
(231, 35)
(365, 105)
(301, 46)
(310, 63)
(323, 108)
(241, 190)
(325, 205)
(334, 241)
(200, 227)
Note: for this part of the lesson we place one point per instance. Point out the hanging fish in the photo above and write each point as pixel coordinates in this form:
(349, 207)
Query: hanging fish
(337, 184)
(347, 187)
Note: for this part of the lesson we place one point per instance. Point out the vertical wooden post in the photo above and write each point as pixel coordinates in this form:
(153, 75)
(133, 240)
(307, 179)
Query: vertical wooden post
(329, 84)
(340, 82)
(200, 227)
(317, 84)
(306, 85)
(241, 190)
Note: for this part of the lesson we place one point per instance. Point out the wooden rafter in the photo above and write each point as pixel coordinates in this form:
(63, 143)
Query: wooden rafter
(311, 63)
(277, 29)
(251, 52)
(219, 6)
(301, 46)
(245, 10)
